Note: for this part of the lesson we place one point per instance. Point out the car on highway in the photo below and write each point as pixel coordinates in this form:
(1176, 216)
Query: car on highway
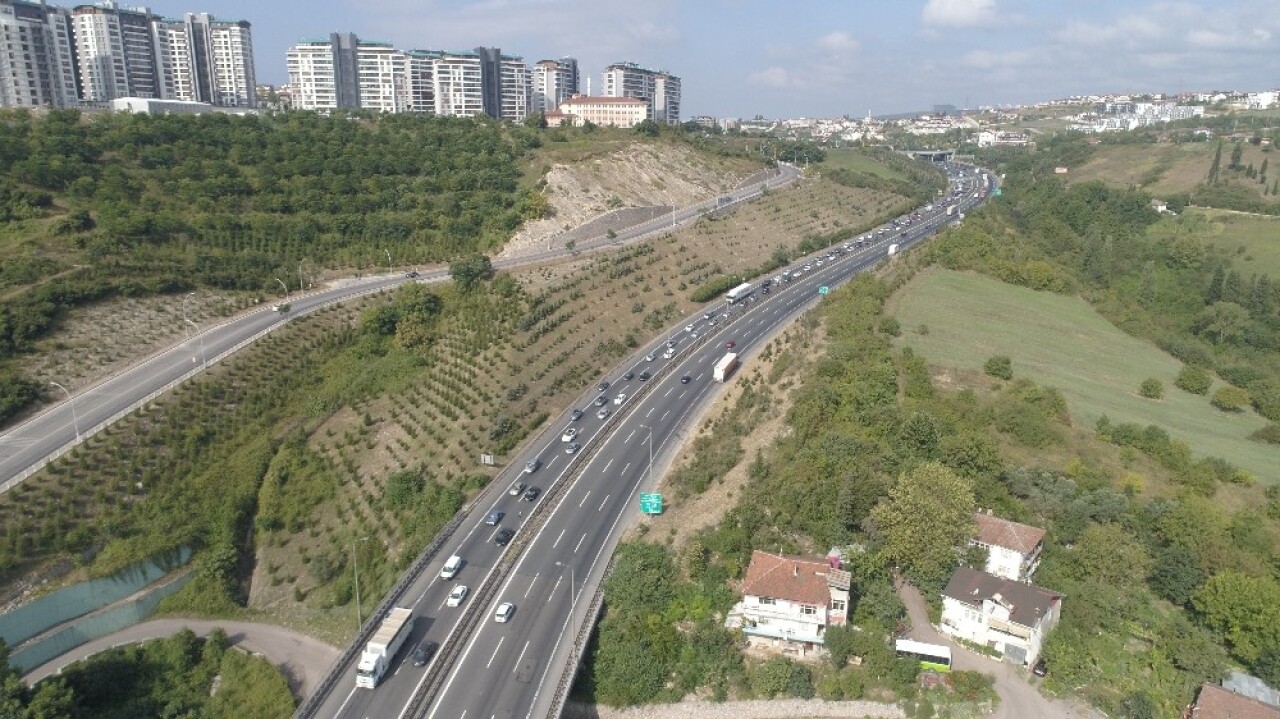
(411, 274)
(458, 594)
(603, 386)
(671, 343)
(504, 612)
(729, 345)
(622, 397)
(503, 537)
(685, 379)
(516, 489)
(494, 517)
(569, 434)
(423, 652)
(603, 413)
(808, 268)
(572, 447)
(644, 376)
(532, 466)
(601, 401)
(575, 415)
(688, 328)
(530, 494)
(708, 315)
(650, 357)
(668, 354)
(629, 374)
(451, 567)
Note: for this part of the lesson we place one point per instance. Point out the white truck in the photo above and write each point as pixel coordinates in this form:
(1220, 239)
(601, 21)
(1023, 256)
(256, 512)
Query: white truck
(893, 249)
(951, 211)
(725, 367)
(738, 292)
(382, 647)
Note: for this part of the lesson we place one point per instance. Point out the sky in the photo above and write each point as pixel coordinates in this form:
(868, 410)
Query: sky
(819, 58)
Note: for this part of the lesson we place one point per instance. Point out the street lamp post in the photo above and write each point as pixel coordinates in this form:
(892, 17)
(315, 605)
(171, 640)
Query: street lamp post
(189, 326)
(355, 568)
(286, 287)
(388, 259)
(75, 421)
(186, 322)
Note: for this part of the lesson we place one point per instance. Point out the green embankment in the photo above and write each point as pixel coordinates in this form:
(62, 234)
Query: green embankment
(1062, 342)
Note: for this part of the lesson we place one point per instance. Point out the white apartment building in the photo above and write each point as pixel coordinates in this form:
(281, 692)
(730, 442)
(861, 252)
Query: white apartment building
(788, 602)
(312, 70)
(232, 79)
(1008, 616)
(457, 85)
(554, 81)
(382, 77)
(1013, 549)
(659, 89)
(515, 82)
(37, 64)
(116, 52)
(605, 111)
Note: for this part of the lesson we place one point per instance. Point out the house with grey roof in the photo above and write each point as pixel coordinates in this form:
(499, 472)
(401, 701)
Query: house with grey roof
(1011, 617)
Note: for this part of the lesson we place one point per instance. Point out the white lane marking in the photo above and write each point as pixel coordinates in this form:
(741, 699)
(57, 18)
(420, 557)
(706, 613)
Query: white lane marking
(664, 416)
(553, 546)
(608, 464)
(668, 391)
(552, 594)
(649, 413)
(682, 394)
(495, 652)
(344, 703)
(579, 544)
(531, 583)
(628, 439)
(522, 651)
(584, 499)
(624, 469)
(552, 460)
(606, 501)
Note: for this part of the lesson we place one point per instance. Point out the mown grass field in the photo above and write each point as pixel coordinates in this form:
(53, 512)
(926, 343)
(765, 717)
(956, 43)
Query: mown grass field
(1253, 241)
(855, 161)
(1061, 342)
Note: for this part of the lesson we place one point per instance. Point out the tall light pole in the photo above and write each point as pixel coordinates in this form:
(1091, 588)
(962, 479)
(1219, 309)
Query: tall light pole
(300, 283)
(673, 210)
(355, 567)
(186, 322)
(388, 258)
(649, 481)
(286, 287)
(189, 326)
(75, 421)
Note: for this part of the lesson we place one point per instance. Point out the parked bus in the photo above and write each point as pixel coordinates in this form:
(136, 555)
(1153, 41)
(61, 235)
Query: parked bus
(930, 656)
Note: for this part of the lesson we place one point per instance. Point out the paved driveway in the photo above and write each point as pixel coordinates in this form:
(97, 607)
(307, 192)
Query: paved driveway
(302, 659)
(1018, 698)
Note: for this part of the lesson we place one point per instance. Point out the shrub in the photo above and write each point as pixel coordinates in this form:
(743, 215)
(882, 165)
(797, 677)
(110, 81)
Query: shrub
(890, 326)
(1269, 434)
(1230, 399)
(999, 366)
(1151, 388)
(1193, 379)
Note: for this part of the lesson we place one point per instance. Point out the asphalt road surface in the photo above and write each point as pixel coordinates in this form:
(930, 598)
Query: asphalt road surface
(510, 669)
(29, 445)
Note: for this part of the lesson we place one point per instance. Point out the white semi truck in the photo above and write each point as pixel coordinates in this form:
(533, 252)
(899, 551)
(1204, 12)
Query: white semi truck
(893, 249)
(382, 647)
(725, 367)
(739, 292)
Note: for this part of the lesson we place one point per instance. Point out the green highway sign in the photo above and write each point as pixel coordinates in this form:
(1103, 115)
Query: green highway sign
(997, 192)
(650, 503)
(823, 290)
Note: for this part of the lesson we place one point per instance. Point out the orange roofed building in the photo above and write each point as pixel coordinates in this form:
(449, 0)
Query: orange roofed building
(788, 602)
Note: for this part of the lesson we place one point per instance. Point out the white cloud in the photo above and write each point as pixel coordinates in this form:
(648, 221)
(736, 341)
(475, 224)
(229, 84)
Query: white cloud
(773, 77)
(960, 13)
(837, 42)
(988, 60)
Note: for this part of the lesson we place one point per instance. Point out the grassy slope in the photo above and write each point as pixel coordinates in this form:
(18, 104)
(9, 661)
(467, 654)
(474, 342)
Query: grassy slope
(1174, 168)
(1259, 236)
(1061, 342)
(855, 161)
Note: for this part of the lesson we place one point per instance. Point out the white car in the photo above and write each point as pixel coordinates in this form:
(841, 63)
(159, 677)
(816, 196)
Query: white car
(505, 610)
(688, 328)
(569, 434)
(649, 357)
(458, 594)
(603, 413)
(620, 398)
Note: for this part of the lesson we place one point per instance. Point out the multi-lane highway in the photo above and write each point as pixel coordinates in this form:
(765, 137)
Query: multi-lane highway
(28, 446)
(510, 669)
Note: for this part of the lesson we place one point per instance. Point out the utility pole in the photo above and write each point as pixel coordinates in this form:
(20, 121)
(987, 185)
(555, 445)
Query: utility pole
(72, 400)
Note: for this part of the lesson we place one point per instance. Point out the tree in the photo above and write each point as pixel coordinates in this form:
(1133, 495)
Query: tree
(1236, 153)
(648, 128)
(1222, 322)
(1213, 292)
(1108, 555)
(1193, 379)
(928, 513)
(1216, 167)
(1244, 610)
(1151, 388)
(1176, 574)
(1230, 399)
(471, 269)
(999, 366)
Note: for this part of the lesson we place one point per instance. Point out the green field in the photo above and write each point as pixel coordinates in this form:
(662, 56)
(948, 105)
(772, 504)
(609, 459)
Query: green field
(858, 161)
(1164, 168)
(1061, 342)
(1259, 236)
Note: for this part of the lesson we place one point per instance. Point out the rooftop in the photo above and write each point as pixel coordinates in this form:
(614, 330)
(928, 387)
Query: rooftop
(997, 532)
(1027, 603)
(795, 579)
(1215, 702)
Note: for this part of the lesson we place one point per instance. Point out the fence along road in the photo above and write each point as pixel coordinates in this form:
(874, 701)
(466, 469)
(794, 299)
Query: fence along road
(28, 447)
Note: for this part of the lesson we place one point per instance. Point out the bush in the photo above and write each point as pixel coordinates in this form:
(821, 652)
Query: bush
(1151, 388)
(1269, 434)
(999, 366)
(890, 326)
(1230, 399)
(713, 288)
(1193, 379)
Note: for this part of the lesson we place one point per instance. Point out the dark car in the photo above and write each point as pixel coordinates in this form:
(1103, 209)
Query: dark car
(629, 375)
(531, 494)
(685, 379)
(603, 386)
(644, 376)
(412, 274)
(575, 415)
(494, 517)
(503, 537)
(729, 345)
(423, 652)
(601, 401)
(1040, 669)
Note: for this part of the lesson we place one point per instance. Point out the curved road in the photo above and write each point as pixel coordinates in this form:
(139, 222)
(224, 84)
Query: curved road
(512, 669)
(27, 447)
(302, 659)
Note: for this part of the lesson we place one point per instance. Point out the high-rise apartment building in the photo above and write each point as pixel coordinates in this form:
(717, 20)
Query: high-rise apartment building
(457, 84)
(201, 59)
(422, 91)
(325, 74)
(116, 53)
(37, 56)
(658, 88)
(554, 81)
(504, 84)
(382, 77)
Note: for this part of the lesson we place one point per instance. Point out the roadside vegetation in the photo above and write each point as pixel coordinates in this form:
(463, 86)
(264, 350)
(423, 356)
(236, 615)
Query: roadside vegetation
(182, 675)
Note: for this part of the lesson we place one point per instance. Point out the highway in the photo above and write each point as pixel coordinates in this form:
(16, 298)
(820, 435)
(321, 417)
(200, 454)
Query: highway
(511, 669)
(28, 446)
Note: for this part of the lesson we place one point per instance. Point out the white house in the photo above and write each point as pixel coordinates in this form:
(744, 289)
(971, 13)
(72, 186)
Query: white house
(1010, 617)
(788, 602)
(1013, 549)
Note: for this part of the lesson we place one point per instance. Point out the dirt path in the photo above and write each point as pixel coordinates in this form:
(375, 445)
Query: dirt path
(1018, 699)
(303, 660)
(754, 709)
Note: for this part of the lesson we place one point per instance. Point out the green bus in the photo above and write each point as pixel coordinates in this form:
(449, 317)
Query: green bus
(930, 656)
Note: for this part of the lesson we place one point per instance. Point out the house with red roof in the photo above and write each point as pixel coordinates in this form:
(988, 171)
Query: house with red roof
(1013, 549)
(1217, 702)
(788, 602)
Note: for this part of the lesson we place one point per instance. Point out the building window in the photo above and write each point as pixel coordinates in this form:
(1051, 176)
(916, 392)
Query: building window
(767, 601)
(837, 605)
(808, 610)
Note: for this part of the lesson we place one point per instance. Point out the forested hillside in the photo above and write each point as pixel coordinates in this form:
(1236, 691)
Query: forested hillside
(120, 204)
